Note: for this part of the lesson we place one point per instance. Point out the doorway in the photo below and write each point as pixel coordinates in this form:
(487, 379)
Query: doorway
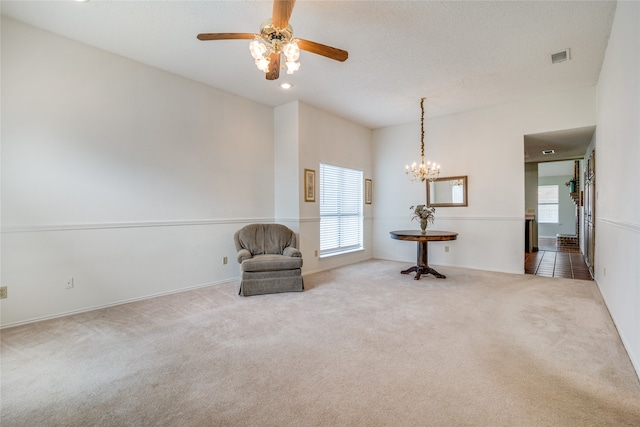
(558, 216)
(556, 199)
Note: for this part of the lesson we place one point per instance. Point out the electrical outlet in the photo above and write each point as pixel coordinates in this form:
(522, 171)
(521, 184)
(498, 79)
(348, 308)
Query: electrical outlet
(446, 248)
(68, 284)
(3, 292)
(224, 260)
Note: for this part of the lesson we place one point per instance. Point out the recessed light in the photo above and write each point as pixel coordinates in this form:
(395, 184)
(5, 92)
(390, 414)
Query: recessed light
(286, 85)
(545, 152)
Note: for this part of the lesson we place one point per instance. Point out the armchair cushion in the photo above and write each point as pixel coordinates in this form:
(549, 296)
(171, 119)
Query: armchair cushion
(270, 262)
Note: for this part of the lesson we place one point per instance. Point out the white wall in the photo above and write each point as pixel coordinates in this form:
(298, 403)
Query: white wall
(288, 191)
(326, 138)
(126, 178)
(486, 145)
(617, 177)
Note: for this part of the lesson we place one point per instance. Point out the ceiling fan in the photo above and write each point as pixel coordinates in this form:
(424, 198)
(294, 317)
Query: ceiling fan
(276, 39)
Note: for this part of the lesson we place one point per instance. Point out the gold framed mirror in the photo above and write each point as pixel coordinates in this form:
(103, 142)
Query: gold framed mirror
(447, 191)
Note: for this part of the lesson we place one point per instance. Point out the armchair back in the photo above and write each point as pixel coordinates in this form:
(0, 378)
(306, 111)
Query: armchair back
(262, 239)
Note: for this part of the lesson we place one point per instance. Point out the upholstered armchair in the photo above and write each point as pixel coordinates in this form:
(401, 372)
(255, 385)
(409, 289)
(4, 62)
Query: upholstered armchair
(269, 259)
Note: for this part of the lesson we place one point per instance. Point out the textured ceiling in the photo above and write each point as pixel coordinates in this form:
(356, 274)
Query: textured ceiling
(460, 55)
(566, 144)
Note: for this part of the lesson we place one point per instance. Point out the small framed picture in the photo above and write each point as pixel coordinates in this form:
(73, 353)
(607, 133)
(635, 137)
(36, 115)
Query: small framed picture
(309, 185)
(368, 190)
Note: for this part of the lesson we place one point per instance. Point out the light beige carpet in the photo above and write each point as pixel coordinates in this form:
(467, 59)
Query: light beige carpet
(363, 345)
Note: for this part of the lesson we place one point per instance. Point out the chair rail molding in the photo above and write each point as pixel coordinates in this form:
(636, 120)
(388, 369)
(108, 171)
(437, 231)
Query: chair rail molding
(129, 224)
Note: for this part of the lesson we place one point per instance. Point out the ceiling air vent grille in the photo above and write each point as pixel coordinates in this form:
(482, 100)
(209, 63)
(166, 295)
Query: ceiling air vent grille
(561, 56)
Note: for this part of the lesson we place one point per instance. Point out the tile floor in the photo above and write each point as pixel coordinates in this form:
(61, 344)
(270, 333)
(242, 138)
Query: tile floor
(549, 262)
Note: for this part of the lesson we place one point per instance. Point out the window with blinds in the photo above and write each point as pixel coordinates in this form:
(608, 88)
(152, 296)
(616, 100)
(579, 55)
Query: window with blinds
(548, 204)
(341, 215)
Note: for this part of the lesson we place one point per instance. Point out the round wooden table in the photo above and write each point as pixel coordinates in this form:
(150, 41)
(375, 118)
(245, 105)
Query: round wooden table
(423, 238)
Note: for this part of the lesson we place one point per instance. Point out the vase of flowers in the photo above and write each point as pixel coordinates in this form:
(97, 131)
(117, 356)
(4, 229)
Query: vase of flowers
(424, 214)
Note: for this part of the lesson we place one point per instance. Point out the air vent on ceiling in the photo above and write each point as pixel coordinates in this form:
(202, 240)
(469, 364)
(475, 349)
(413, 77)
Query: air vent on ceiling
(545, 152)
(565, 55)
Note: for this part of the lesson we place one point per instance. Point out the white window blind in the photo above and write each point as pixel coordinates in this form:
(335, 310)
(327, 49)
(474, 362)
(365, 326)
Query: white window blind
(341, 214)
(548, 204)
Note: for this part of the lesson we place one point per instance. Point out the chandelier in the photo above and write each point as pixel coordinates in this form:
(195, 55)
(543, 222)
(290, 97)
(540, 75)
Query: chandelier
(270, 43)
(422, 172)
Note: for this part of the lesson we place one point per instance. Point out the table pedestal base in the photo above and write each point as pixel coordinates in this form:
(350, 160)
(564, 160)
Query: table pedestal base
(423, 238)
(423, 270)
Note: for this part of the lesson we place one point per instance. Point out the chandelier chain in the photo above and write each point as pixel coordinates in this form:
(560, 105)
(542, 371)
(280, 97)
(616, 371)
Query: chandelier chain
(422, 129)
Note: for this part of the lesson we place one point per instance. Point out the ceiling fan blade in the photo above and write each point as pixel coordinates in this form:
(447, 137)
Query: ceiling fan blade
(324, 50)
(274, 67)
(226, 36)
(282, 12)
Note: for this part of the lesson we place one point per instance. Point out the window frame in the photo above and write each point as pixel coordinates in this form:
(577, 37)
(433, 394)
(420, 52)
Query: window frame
(339, 206)
(549, 203)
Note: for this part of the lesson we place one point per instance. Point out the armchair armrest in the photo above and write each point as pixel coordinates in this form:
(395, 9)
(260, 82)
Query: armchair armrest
(243, 254)
(291, 251)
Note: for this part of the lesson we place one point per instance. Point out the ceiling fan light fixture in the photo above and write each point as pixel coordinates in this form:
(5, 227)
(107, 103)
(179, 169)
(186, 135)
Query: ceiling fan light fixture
(291, 52)
(257, 49)
(292, 67)
(261, 52)
(263, 64)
